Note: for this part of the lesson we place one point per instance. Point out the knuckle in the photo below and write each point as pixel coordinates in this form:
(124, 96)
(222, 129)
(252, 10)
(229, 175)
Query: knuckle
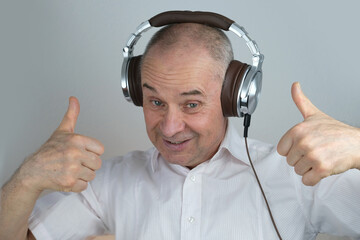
(323, 170)
(72, 167)
(297, 170)
(102, 148)
(92, 175)
(308, 181)
(68, 182)
(289, 161)
(299, 129)
(98, 163)
(303, 144)
(313, 157)
(80, 187)
(69, 152)
(94, 162)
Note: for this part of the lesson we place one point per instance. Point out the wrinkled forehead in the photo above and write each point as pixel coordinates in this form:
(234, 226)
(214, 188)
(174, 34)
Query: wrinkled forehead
(186, 58)
(181, 70)
(179, 63)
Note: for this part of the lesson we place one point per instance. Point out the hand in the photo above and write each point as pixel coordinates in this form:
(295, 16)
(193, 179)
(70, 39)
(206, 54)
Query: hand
(319, 146)
(67, 161)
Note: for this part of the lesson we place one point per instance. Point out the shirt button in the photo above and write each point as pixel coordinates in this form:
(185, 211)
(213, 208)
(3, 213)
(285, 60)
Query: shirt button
(193, 178)
(191, 219)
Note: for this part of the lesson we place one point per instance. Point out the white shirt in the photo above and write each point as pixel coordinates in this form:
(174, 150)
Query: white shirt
(141, 196)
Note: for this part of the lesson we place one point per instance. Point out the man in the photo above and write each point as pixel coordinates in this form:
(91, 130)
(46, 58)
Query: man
(196, 183)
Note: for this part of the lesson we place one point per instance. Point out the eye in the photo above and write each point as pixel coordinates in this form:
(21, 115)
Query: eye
(192, 105)
(156, 103)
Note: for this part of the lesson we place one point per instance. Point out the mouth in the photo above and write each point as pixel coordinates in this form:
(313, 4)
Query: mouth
(176, 145)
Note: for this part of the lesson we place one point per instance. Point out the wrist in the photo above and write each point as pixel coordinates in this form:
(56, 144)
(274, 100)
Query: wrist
(17, 188)
(24, 182)
(357, 156)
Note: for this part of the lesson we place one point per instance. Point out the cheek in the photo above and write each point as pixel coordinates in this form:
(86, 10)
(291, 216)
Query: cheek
(209, 122)
(152, 119)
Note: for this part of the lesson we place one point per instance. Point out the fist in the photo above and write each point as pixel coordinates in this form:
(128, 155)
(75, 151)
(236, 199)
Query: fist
(67, 161)
(319, 146)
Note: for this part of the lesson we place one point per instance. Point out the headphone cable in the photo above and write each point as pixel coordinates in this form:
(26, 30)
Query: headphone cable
(247, 119)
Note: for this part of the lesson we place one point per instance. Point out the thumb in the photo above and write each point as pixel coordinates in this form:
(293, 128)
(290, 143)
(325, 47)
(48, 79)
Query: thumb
(69, 120)
(304, 105)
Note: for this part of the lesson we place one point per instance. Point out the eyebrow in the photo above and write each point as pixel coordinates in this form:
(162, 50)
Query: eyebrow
(192, 92)
(189, 93)
(145, 85)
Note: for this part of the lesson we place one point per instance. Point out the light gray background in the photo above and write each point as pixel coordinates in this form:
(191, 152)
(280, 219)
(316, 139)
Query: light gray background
(50, 50)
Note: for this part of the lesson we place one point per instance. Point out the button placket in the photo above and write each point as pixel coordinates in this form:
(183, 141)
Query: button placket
(191, 208)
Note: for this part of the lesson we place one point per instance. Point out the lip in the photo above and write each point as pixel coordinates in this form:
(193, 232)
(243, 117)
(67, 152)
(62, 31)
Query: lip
(176, 147)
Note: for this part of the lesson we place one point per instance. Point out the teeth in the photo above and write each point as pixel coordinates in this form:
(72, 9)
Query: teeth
(175, 142)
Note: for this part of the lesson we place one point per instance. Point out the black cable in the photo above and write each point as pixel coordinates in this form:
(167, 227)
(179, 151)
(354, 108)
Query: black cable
(247, 119)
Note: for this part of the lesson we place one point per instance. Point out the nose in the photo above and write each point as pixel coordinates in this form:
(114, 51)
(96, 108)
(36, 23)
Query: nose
(172, 122)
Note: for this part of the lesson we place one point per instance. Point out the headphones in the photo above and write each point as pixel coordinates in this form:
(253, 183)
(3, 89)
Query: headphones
(242, 83)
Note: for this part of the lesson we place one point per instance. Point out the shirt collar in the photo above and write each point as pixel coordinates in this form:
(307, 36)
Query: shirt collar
(155, 159)
(232, 143)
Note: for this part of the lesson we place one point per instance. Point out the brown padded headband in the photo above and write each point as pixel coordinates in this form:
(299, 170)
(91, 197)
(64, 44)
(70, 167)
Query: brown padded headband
(207, 18)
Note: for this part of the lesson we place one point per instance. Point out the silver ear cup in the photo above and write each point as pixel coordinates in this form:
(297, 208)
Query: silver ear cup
(249, 92)
(124, 79)
(254, 92)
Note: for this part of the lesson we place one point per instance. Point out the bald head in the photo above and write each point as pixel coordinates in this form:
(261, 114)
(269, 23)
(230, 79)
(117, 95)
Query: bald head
(186, 37)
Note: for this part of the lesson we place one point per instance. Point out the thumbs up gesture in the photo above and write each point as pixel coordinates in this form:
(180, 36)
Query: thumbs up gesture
(319, 146)
(67, 161)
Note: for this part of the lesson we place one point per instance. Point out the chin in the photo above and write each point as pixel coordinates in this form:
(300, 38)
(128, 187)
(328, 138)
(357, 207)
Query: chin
(174, 159)
(179, 160)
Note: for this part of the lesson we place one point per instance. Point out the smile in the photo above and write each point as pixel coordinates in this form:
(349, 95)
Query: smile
(177, 142)
(176, 146)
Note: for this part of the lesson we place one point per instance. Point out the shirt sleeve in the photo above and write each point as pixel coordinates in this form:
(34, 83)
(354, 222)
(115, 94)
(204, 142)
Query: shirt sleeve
(333, 205)
(63, 216)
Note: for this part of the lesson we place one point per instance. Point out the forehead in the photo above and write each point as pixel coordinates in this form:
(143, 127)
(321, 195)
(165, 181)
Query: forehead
(182, 68)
